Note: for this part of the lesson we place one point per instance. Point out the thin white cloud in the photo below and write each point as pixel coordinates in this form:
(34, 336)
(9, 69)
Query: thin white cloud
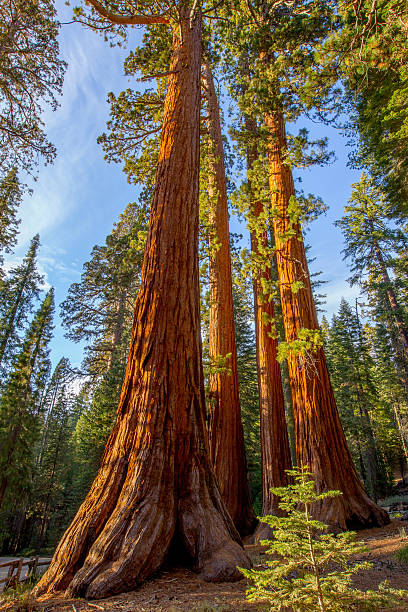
(73, 128)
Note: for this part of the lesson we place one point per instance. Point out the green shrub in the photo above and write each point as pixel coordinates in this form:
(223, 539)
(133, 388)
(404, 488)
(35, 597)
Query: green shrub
(312, 570)
(402, 554)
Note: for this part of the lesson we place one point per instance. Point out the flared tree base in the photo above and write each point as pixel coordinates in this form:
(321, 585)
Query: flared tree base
(138, 514)
(348, 513)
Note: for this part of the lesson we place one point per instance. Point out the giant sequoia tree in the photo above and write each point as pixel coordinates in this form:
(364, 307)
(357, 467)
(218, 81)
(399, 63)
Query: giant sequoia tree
(155, 486)
(275, 451)
(280, 88)
(226, 435)
(320, 440)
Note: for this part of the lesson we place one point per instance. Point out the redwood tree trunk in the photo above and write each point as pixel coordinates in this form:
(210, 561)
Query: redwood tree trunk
(226, 434)
(275, 450)
(155, 485)
(320, 440)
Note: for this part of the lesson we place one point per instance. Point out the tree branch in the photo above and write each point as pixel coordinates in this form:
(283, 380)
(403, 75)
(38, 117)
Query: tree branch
(127, 19)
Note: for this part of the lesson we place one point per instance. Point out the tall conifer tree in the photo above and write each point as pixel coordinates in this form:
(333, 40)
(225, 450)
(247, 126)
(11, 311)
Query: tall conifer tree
(10, 200)
(372, 242)
(226, 436)
(155, 484)
(20, 412)
(275, 450)
(278, 90)
(19, 290)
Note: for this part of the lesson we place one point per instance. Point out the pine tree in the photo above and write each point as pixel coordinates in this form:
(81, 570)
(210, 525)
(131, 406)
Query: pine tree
(392, 393)
(350, 366)
(315, 568)
(99, 308)
(29, 521)
(20, 412)
(53, 454)
(19, 290)
(372, 243)
(31, 76)
(10, 200)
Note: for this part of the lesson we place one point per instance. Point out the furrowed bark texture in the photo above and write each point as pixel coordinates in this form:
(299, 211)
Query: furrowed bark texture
(320, 440)
(155, 487)
(225, 431)
(275, 451)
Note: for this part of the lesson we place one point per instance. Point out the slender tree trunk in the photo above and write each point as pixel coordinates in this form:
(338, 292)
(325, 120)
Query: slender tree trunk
(361, 460)
(371, 456)
(226, 434)
(19, 527)
(397, 329)
(118, 327)
(275, 451)
(12, 316)
(373, 471)
(320, 440)
(394, 307)
(155, 485)
(3, 488)
(287, 394)
(50, 483)
(401, 429)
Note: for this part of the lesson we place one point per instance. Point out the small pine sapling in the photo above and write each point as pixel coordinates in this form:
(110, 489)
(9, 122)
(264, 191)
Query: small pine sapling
(312, 569)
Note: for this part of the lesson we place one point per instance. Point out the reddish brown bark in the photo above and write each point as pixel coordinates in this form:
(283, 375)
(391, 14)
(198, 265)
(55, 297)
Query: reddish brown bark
(320, 440)
(225, 431)
(155, 488)
(275, 451)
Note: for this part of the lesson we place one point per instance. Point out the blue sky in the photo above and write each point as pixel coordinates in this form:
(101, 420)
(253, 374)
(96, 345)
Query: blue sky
(77, 199)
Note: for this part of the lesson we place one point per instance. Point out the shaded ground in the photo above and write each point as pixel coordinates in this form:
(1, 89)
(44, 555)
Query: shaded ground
(179, 590)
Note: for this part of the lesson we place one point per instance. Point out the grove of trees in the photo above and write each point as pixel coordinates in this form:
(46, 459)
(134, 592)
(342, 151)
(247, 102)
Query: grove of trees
(207, 372)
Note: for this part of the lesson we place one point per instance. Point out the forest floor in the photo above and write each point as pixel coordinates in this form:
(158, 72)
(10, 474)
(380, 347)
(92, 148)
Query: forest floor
(179, 590)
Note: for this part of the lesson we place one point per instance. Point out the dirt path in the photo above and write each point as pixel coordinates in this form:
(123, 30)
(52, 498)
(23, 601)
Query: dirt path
(179, 590)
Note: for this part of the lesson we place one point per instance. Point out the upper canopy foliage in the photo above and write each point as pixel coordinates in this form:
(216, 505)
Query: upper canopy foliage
(31, 75)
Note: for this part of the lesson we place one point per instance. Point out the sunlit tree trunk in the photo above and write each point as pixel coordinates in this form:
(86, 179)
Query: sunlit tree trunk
(320, 440)
(155, 487)
(275, 450)
(226, 435)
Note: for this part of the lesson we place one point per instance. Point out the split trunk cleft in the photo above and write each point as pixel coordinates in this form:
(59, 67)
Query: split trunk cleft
(156, 490)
